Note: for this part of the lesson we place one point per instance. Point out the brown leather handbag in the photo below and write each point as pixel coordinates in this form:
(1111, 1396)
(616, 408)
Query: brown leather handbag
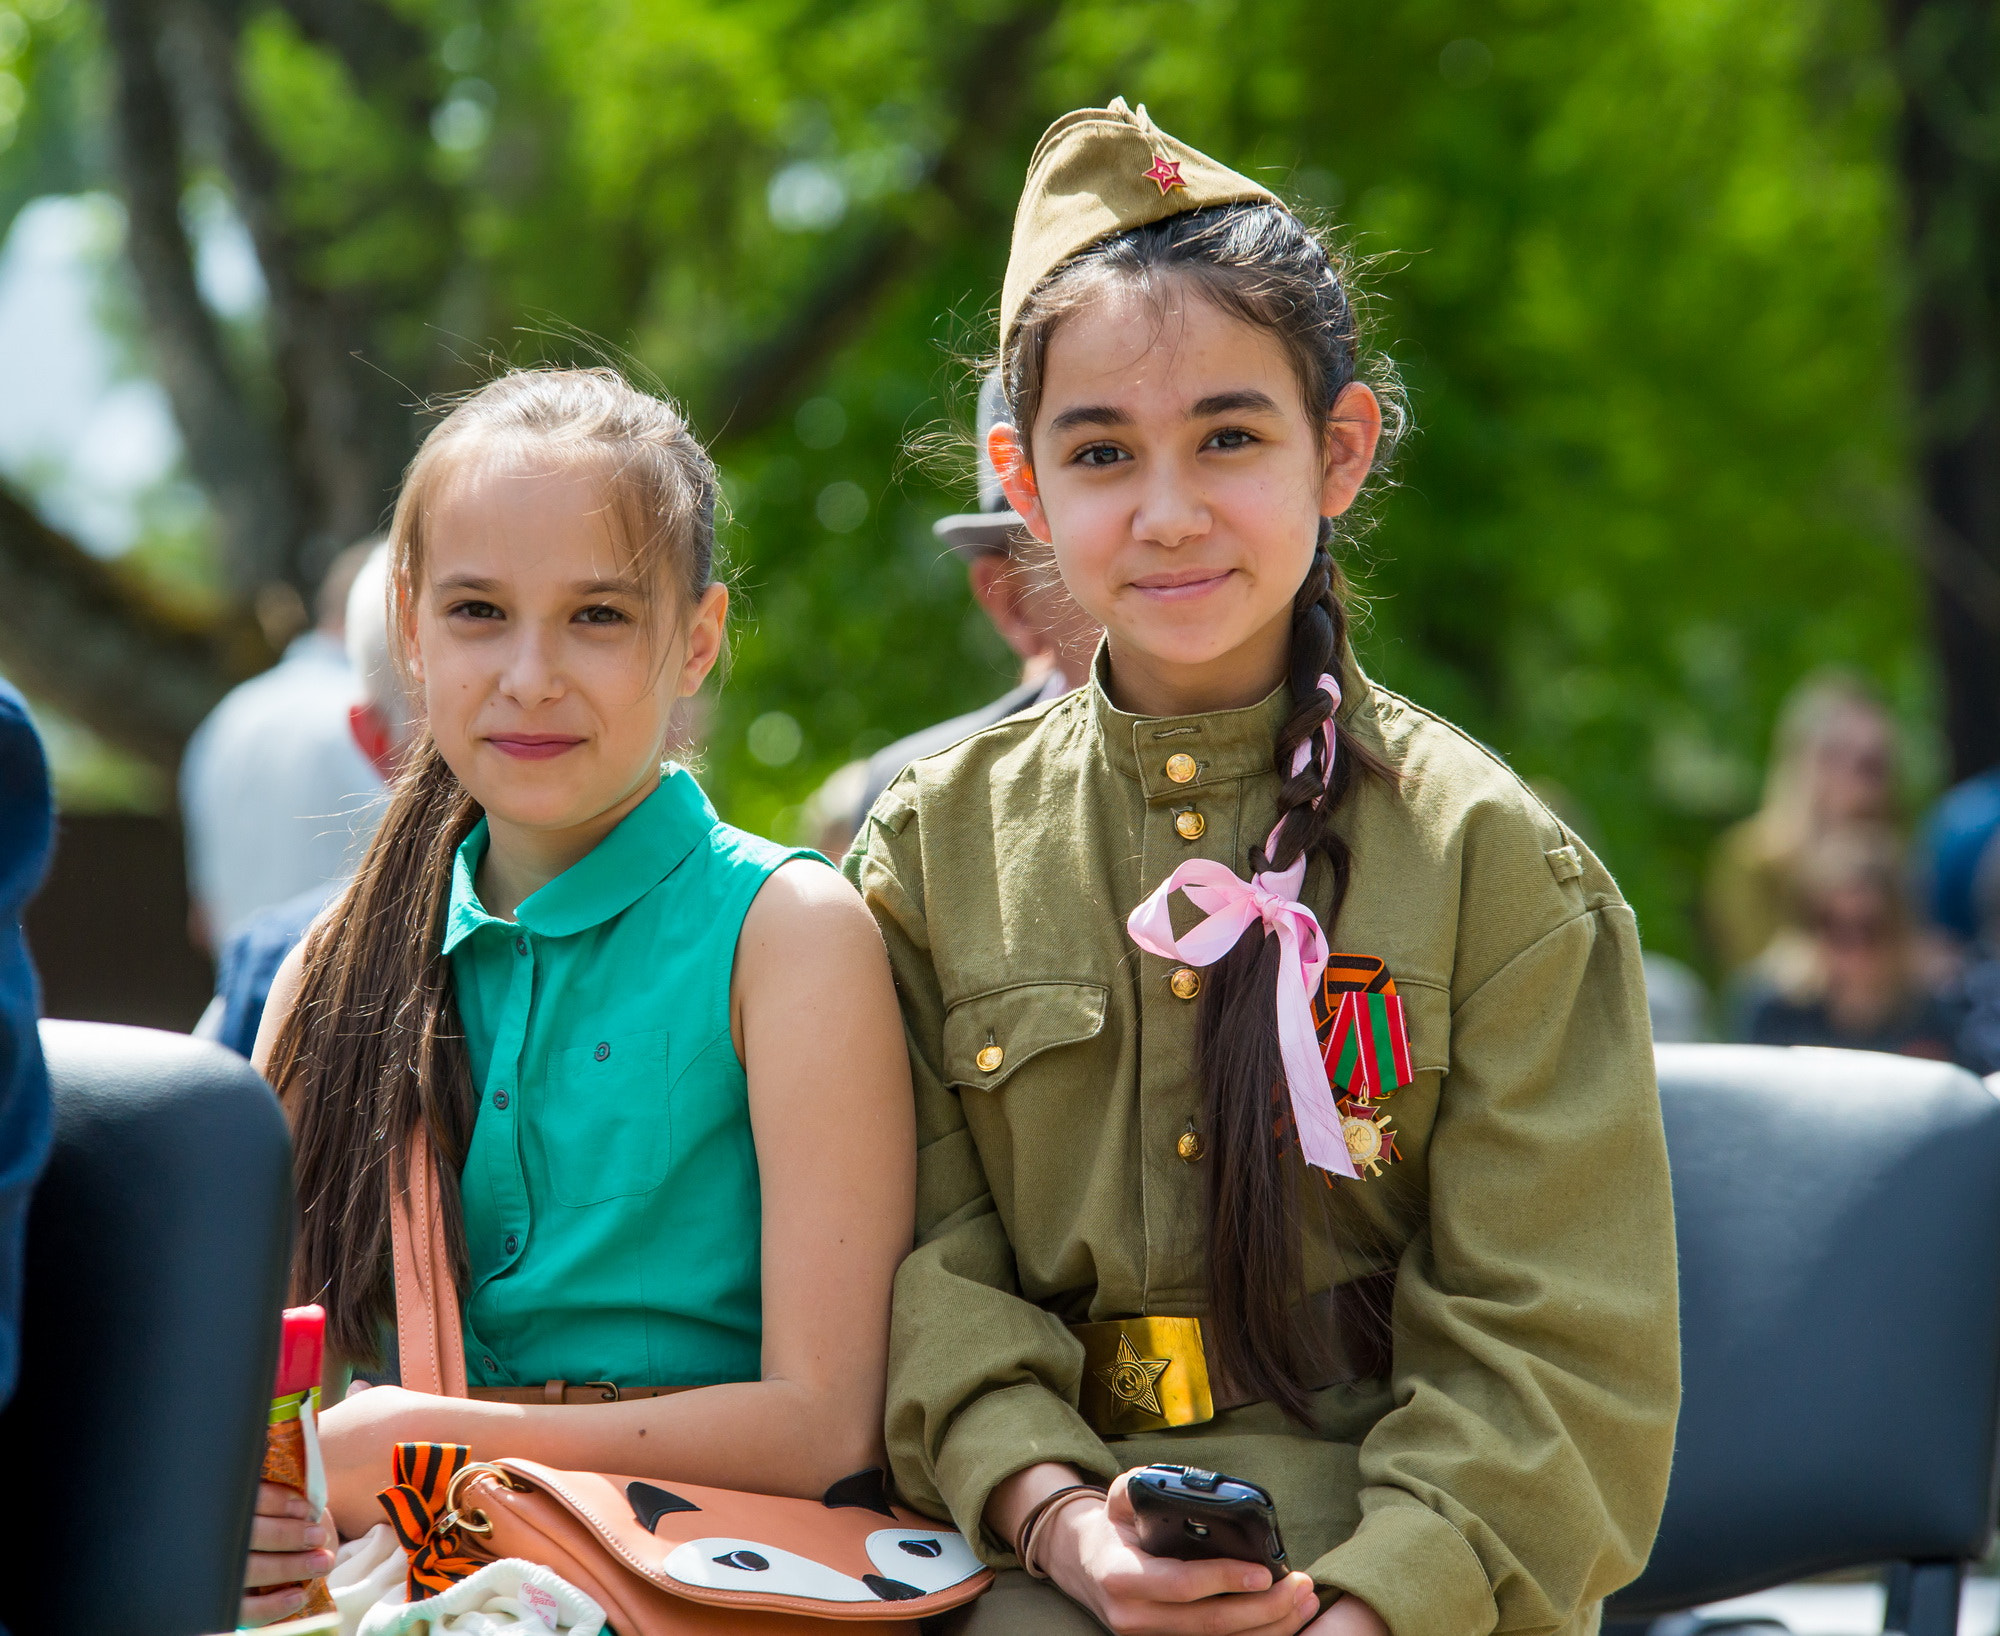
(668, 1558)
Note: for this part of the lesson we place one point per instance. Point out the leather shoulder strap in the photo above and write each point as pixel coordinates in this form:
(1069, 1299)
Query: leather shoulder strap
(430, 1339)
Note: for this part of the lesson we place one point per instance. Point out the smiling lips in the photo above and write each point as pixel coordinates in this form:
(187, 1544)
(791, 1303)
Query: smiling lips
(1180, 584)
(532, 746)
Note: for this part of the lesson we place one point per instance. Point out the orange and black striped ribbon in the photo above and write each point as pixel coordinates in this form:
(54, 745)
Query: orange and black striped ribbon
(415, 1502)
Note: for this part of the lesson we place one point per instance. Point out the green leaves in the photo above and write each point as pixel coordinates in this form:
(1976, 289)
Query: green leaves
(1634, 259)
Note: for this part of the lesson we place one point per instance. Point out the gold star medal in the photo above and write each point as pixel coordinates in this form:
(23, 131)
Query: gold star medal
(1133, 1379)
(1371, 1144)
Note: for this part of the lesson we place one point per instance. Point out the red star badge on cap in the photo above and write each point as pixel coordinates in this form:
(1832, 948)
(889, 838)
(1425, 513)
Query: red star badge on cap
(1165, 171)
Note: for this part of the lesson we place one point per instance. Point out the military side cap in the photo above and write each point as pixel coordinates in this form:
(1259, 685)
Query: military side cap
(1101, 171)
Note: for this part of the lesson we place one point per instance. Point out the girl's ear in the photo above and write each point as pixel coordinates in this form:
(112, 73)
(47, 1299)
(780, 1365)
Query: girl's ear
(403, 609)
(704, 639)
(1353, 430)
(1010, 461)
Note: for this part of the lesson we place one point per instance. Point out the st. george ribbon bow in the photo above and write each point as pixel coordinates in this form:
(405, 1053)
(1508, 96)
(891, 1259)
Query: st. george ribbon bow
(1232, 906)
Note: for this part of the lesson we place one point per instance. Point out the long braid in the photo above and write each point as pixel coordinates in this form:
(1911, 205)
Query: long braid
(1255, 1272)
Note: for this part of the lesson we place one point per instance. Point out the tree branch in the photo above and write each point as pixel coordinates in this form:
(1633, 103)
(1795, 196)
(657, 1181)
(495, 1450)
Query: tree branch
(384, 52)
(344, 443)
(227, 449)
(88, 640)
(990, 87)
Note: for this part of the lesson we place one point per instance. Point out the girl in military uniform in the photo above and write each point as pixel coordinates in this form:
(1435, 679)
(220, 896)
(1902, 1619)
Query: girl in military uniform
(1381, 1223)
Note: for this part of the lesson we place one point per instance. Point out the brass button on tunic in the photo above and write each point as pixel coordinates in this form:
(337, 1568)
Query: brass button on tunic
(1189, 825)
(1185, 982)
(1509, 1471)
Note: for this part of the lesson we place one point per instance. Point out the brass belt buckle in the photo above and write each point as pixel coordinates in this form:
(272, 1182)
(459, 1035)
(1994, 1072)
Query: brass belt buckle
(1143, 1374)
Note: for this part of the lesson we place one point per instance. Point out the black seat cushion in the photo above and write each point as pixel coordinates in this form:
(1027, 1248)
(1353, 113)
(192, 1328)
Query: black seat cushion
(1839, 1222)
(157, 1246)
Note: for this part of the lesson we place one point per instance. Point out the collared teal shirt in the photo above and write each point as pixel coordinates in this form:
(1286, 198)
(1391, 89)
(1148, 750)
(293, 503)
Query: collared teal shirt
(612, 1207)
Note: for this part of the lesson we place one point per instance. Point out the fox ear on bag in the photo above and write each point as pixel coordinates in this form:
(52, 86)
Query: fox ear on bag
(650, 1504)
(867, 1489)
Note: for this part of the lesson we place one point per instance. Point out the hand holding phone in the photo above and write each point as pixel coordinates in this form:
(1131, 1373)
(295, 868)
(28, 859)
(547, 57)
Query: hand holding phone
(1192, 1514)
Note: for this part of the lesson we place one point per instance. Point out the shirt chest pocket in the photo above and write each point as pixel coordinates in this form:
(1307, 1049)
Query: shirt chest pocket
(606, 1128)
(990, 1037)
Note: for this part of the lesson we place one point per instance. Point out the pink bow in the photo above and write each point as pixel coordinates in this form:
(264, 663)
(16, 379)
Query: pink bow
(1231, 906)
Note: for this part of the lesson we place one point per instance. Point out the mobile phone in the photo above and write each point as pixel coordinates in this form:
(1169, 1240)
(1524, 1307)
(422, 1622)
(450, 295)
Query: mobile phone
(1193, 1514)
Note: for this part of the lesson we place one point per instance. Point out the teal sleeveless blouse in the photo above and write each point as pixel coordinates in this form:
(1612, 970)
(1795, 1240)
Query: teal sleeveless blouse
(612, 1206)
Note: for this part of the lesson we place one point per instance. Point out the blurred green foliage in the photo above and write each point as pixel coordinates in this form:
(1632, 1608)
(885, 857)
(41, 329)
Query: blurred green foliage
(1635, 260)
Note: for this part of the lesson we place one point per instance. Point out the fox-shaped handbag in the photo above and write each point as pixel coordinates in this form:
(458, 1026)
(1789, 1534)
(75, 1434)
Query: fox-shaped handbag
(661, 1558)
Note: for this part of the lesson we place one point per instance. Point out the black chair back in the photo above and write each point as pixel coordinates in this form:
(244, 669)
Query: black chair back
(157, 1248)
(1839, 1222)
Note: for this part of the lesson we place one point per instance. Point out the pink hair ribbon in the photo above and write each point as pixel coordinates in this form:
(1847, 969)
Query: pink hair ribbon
(1232, 906)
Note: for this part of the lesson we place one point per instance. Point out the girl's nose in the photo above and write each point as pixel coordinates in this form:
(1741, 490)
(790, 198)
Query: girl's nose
(531, 675)
(1171, 508)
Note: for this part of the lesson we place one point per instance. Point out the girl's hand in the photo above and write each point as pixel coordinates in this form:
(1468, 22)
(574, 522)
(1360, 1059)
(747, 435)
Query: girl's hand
(1091, 1549)
(288, 1541)
(357, 1440)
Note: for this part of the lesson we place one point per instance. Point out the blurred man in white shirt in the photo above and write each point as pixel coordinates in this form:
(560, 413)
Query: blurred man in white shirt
(276, 797)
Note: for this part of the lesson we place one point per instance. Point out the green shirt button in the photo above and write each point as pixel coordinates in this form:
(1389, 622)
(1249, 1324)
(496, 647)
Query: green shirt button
(513, 1244)
(499, 1099)
(520, 945)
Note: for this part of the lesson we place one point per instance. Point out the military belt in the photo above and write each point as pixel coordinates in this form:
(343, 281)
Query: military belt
(1148, 1374)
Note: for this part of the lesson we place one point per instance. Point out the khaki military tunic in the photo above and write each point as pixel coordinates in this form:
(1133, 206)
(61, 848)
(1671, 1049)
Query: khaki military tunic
(1509, 1471)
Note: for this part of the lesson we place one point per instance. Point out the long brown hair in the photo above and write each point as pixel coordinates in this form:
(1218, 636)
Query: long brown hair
(373, 1046)
(1261, 264)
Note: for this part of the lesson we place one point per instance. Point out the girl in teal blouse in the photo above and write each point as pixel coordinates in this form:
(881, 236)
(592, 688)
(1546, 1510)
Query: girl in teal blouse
(659, 1060)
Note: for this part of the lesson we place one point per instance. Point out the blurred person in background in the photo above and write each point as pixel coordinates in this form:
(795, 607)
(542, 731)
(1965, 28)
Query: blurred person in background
(1979, 1027)
(273, 788)
(1030, 607)
(1834, 764)
(26, 829)
(382, 722)
(1954, 851)
(1852, 974)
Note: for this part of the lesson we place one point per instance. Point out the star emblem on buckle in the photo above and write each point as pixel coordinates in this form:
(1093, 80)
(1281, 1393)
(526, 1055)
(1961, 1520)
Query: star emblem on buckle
(1166, 172)
(1133, 1379)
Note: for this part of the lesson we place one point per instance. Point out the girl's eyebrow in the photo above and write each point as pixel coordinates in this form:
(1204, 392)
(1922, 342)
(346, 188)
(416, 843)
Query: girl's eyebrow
(582, 587)
(1232, 403)
(1090, 414)
(1245, 400)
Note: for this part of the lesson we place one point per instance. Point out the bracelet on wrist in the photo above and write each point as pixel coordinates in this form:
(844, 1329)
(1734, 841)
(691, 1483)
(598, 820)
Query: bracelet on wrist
(1037, 1519)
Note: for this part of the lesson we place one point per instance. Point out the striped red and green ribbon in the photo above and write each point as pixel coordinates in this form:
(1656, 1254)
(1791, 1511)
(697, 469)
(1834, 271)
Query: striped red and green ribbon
(415, 1503)
(1368, 1050)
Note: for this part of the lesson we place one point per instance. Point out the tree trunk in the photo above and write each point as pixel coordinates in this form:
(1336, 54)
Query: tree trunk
(345, 431)
(228, 450)
(1949, 142)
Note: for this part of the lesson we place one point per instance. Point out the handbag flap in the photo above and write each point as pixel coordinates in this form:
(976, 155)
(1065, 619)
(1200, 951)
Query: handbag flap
(851, 1555)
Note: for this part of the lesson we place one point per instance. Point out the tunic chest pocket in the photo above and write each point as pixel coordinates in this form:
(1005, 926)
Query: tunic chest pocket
(988, 1037)
(606, 1127)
